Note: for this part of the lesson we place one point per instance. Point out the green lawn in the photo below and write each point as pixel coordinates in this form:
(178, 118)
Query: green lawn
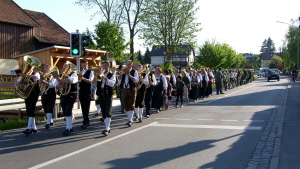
(8, 124)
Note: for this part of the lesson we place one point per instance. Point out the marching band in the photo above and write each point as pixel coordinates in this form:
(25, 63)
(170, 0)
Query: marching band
(143, 86)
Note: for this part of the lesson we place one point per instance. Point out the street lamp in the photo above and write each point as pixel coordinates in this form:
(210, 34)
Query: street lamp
(297, 41)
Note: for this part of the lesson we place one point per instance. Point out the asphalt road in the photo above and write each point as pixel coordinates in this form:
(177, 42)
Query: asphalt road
(219, 132)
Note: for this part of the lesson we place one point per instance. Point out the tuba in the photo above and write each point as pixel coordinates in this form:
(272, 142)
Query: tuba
(47, 76)
(98, 72)
(26, 84)
(65, 88)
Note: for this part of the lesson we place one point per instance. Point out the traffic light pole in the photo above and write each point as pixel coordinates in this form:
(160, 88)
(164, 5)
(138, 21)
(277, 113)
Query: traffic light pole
(78, 70)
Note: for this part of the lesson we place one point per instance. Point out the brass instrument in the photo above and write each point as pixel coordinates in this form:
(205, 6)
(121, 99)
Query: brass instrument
(140, 83)
(98, 73)
(149, 69)
(47, 76)
(65, 88)
(26, 84)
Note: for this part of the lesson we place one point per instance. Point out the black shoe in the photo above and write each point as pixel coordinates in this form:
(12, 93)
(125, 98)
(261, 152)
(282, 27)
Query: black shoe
(27, 131)
(97, 114)
(122, 111)
(102, 120)
(147, 116)
(140, 119)
(71, 130)
(33, 131)
(135, 119)
(222, 93)
(105, 132)
(47, 126)
(85, 126)
(66, 132)
(51, 124)
(129, 123)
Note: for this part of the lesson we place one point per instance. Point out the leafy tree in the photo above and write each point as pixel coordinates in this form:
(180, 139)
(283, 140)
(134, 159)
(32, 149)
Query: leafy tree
(167, 65)
(215, 55)
(110, 10)
(147, 56)
(276, 62)
(169, 24)
(289, 51)
(268, 46)
(140, 57)
(109, 37)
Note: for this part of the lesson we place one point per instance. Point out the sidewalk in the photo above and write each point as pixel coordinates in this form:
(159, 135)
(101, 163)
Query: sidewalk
(290, 147)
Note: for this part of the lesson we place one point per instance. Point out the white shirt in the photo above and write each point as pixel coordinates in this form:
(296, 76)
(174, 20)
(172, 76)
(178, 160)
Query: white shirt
(205, 77)
(146, 80)
(52, 82)
(126, 81)
(73, 78)
(91, 77)
(110, 82)
(154, 80)
(164, 80)
(174, 79)
(37, 76)
(211, 74)
(197, 77)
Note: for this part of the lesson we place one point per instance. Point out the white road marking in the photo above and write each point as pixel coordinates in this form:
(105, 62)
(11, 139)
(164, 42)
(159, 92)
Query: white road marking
(239, 90)
(183, 119)
(255, 120)
(228, 120)
(162, 118)
(89, 147)
(208, 126)
(207, 119)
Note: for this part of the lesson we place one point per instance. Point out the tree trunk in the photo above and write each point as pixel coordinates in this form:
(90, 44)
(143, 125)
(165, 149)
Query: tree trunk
(131, 45)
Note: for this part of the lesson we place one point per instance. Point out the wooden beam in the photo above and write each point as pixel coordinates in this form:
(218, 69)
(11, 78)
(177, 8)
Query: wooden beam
(56, 62)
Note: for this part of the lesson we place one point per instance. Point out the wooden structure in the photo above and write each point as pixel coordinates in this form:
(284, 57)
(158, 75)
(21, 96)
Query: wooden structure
(58, 55)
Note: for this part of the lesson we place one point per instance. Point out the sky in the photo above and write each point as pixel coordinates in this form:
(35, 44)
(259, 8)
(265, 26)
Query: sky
(243, 24)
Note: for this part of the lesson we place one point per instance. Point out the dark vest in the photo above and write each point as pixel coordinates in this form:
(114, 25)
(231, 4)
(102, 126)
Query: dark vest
(73, 86)
(143, 87)
(83, 84)
(131, 83)
(107, 90)
(171, 79)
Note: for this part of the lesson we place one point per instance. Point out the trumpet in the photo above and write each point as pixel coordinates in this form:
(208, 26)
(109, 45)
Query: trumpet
(98, 72)
(43, 87)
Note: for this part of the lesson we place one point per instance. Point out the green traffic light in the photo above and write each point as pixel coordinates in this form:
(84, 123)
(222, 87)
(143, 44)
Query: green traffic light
(75, 51)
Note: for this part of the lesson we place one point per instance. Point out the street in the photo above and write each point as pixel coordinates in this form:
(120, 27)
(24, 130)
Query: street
(234, 130)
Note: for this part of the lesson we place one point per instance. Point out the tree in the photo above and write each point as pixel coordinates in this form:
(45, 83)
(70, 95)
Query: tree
(167, 65)
(147, 56)
(292, 38)
(119, 12)
(111, 10)
(276, 62)
(140, 57)
(133, 9)
(268, 46)
(169, 24)
(109, 37)
(215, 55)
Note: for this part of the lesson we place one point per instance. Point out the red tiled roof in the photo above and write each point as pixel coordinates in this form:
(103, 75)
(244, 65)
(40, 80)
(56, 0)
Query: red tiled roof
(50, 30)
(11, 12)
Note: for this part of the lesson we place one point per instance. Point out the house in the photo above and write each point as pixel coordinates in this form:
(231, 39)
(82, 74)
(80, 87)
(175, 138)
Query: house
(23, 31)
(248, 56)
(181, 59)
(266, 58)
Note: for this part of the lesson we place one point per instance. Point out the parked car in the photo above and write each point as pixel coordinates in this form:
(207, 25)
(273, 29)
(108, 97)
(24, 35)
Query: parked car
(273, 75)
(259, 73)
